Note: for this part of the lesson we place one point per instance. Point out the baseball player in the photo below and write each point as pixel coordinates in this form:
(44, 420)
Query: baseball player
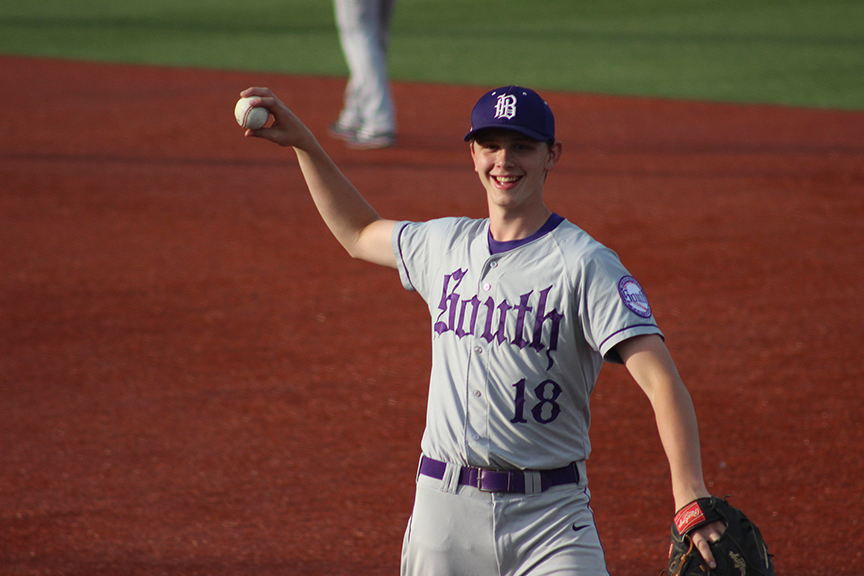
(368, 116)
(525, 308)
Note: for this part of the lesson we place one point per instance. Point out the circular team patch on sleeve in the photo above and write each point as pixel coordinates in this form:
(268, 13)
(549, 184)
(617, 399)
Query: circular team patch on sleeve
(634, 297)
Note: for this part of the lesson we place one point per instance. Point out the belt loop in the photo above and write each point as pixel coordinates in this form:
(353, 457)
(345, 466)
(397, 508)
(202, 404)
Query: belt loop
(450, 481)
(419, 464)
(581, 469)
(532, 482)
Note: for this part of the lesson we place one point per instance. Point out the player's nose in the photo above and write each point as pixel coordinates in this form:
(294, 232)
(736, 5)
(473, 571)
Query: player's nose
(503, 158)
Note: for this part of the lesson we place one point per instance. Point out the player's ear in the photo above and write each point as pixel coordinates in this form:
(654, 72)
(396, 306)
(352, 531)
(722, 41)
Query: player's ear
(473, 153)
(555, 150)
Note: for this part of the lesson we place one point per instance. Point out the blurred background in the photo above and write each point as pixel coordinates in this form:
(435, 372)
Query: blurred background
(797, 52)
(195, 379)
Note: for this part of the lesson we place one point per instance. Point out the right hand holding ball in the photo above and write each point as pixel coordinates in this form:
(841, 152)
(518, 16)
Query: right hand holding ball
(249, 117)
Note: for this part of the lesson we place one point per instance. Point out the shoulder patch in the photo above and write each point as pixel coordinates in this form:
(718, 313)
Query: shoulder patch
(634, 297)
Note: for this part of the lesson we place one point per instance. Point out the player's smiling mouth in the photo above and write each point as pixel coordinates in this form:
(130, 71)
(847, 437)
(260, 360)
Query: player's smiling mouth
(505, 180)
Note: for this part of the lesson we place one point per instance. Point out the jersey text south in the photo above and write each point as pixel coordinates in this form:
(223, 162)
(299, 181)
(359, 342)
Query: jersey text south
(463, 316)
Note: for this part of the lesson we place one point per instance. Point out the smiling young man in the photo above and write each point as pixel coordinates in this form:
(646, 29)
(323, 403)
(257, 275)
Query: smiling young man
(525, 308)
(512, 168)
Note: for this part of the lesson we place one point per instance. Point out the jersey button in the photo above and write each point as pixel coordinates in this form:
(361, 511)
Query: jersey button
(494, 264)
(478, 349)
(487, 286)
(477, 393)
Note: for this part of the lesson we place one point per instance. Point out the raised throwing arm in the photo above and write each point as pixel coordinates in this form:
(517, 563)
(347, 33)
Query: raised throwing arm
(354, 223)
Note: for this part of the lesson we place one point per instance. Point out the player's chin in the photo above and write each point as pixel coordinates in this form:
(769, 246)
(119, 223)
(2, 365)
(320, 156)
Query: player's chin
(507, 200)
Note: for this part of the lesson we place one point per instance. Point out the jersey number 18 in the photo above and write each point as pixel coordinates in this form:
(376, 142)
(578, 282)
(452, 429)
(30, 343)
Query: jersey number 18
(545, 410)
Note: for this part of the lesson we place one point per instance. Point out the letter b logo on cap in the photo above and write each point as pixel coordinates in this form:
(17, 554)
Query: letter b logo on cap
(506, 106)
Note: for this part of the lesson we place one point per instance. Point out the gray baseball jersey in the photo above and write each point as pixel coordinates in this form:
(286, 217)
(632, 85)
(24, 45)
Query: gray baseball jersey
(519, 333)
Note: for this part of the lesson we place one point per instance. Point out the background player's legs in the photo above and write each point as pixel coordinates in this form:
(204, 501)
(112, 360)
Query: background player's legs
(364, 35)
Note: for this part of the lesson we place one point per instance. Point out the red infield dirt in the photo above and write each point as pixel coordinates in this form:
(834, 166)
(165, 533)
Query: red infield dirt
(196, 380)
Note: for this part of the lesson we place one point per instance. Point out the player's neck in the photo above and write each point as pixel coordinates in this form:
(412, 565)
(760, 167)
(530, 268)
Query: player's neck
(505, 225)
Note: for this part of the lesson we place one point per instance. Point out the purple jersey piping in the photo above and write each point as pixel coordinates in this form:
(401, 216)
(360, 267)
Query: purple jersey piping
(630, 328)
(401, 257)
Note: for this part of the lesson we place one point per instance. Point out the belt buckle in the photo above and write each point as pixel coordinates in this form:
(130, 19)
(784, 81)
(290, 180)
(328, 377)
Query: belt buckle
(481, 472)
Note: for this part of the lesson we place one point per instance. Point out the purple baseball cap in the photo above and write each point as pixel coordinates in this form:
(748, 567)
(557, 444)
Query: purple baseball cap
(513, 108)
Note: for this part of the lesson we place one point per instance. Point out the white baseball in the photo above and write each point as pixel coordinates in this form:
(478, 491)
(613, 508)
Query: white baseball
(249, 117)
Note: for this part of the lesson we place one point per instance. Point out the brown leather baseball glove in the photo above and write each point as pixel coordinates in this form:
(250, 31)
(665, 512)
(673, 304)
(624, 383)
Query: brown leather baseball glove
(740, 551)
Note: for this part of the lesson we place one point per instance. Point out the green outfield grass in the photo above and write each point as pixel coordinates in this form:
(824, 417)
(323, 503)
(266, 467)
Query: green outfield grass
(806, 52)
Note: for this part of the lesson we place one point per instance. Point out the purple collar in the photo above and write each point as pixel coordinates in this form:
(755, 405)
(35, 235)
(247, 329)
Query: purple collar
(496, 247)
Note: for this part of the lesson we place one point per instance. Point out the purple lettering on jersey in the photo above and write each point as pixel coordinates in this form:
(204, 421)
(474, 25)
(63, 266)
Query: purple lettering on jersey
(475, 308)
(555, 318)
(454, 317)
(520, 319)
(448, 302)
(503, 308)
(490, 314)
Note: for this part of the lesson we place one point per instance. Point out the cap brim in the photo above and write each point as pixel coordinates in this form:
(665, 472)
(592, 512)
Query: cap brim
(524, 131)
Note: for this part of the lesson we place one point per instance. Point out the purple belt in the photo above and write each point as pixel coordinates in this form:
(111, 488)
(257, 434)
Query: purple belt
(501, 480)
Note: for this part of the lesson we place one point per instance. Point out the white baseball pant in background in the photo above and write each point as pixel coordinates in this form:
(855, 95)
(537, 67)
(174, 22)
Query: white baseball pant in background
(364, 32)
